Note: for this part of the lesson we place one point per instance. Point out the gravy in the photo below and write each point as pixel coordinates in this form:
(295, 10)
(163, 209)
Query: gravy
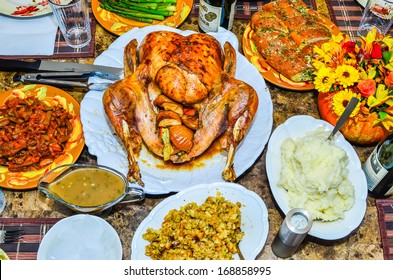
(88, 187)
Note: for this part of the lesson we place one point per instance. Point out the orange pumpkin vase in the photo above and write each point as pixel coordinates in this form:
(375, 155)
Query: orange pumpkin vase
(359, 129)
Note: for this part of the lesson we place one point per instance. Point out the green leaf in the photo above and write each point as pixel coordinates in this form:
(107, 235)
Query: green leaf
(382, 115)
(387, 56)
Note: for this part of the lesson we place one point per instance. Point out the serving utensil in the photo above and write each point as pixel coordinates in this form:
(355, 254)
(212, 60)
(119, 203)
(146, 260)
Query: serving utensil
(67, 79)
(345, 115)
(239, 252)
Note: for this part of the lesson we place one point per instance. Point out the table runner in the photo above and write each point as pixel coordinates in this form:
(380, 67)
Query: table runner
(385, 219)
(34, 231)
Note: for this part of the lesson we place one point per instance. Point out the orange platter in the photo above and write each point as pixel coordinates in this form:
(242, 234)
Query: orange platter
(119, 25)
(28, 180)
(267, 71)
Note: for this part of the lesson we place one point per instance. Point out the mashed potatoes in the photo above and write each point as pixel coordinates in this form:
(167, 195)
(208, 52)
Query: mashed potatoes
(315, 174)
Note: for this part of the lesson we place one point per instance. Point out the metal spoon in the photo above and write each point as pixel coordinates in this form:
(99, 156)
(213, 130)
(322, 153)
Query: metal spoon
(345, 115)
(241, 257)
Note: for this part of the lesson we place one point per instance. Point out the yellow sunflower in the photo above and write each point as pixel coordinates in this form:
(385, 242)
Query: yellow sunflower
(347, 75)
(324, 79)
(341, 100)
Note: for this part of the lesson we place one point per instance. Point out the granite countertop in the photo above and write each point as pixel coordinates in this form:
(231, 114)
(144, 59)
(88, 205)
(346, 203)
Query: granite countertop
(364, 243)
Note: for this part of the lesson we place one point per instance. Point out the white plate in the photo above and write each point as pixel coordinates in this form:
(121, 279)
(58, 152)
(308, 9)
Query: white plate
(362, 2)
(81, 237)
(100, 139)
(297, 127)
(255, 223)
(22, 8)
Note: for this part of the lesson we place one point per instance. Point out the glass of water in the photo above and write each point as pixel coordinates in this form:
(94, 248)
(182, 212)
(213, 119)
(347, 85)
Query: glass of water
(378, 14)
(73, 19)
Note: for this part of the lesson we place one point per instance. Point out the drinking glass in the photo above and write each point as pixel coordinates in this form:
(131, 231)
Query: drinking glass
(378, 14)
(74, 22)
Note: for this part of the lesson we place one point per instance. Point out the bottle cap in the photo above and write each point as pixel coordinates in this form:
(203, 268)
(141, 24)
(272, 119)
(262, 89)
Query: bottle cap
(294, 229)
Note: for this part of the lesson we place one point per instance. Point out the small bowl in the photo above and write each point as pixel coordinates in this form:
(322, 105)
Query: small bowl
(81, 237)
(58, 183)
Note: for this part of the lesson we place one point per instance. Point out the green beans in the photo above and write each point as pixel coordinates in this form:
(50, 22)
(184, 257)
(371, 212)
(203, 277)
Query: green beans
(141, 10)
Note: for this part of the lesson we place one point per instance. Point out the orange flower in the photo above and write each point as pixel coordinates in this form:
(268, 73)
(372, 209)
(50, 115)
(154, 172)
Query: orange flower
(389, 80)
(367, 87)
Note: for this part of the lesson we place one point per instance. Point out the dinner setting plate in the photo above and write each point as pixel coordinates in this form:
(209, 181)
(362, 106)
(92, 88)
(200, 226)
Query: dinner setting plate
(254, 216)
(158, 178)
(119, 25)
(81, 237)
(362, 2)
(298, 126)
(25, 8)
(29, 179)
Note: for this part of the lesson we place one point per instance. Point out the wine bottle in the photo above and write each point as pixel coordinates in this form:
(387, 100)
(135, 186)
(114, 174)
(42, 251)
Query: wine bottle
(216, 13)
(229, 15)
(378, 169)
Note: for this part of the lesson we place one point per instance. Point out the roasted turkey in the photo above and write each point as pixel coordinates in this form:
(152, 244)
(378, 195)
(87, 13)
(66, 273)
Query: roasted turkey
(178, 96)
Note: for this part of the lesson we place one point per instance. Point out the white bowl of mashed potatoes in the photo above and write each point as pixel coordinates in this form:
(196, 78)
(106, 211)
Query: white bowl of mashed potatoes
(324, 177)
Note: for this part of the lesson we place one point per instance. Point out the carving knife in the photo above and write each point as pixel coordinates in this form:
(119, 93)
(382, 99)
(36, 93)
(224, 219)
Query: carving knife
(43, 65)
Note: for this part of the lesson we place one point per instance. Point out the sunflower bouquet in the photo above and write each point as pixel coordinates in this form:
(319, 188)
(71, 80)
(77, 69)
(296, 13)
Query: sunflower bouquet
(363, 69)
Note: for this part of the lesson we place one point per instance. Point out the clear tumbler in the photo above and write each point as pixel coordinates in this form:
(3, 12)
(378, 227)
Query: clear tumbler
(378, 14)
(74, 22)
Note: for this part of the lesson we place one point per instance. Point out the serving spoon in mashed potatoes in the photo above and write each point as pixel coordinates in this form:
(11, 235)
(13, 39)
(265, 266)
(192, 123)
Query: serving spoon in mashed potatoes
(344, 116)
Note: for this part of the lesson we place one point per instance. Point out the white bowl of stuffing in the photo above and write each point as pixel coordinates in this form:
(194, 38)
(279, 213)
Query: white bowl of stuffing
(204, 222)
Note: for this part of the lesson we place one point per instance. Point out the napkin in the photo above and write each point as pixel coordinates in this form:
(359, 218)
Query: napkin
(27, 36)
(385, 219)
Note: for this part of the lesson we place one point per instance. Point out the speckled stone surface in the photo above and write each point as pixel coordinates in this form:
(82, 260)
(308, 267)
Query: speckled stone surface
(363, 243)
